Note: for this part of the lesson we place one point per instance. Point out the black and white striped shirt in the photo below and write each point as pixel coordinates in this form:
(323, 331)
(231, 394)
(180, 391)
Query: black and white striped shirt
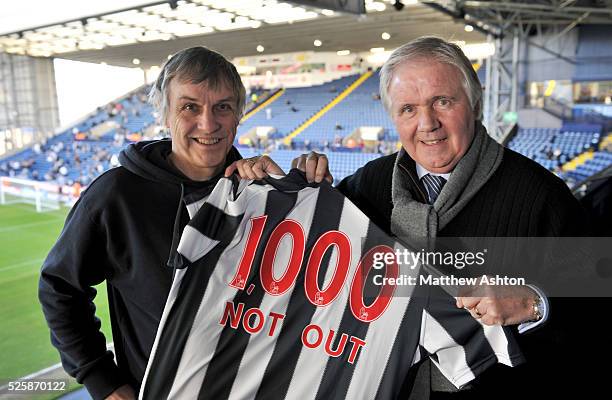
(270, 305)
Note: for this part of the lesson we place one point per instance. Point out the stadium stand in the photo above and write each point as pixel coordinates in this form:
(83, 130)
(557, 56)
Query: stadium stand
(83, 151)
(360, 108)
(295, 106)
(554, 147)
(76, 154)
(600, 161)
(590, 110)
(341, 164)
(90, 147)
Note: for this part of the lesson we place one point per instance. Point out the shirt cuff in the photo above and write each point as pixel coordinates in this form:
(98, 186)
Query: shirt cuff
(526, 326)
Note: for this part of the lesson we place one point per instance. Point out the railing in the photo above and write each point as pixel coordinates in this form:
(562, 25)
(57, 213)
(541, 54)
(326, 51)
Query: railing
(557, 108)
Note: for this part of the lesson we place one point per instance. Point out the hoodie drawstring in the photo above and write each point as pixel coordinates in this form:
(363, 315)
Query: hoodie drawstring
(175, 260)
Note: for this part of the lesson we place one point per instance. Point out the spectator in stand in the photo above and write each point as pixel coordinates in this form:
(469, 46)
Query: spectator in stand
(51, 156)
(325, 145)
(114, 161)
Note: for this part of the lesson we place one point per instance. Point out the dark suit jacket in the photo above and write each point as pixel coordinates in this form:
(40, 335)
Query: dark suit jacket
(522, 199)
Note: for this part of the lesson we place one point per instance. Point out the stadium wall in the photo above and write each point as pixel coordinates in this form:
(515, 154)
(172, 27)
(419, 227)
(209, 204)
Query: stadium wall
(538, 118)
(28, 98)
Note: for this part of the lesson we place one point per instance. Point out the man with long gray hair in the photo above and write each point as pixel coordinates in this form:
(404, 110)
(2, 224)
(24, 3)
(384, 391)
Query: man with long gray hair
(125, 228)
(450, 178)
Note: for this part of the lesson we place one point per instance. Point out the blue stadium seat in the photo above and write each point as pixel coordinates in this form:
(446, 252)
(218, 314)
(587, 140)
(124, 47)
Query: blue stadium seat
(360, 108)
(296, 106)
(554, 147)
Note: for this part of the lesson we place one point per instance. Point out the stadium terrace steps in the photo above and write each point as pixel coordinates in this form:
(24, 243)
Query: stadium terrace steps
(575, 162)
(329, 106)
(606, 142)
(298, 105)
(599, 161)
(103, 128)
(263, 105)
(361, 108)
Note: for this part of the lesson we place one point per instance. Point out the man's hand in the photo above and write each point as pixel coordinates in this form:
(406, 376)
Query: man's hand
(124, 392)
(500, 305)
(254, 168)
(315, 165)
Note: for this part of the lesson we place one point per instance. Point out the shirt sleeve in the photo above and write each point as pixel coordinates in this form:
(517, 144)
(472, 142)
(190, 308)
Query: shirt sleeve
(527, 326)
(459, 345)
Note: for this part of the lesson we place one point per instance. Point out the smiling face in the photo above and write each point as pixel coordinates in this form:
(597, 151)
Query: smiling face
(202, 122)
(432, 113)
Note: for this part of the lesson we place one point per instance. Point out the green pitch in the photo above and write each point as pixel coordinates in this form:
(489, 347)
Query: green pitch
(25, 239)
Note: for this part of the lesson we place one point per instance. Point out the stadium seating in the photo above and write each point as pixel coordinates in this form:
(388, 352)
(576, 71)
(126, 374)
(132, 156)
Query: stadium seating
(600, 161)
(296, 105)
(257, 97)
(362, 107)
(340, 164)
(79, 154)
(554, 147)
(581, 110)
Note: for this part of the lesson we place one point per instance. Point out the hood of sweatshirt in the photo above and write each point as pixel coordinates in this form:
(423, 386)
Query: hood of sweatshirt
(149, 160)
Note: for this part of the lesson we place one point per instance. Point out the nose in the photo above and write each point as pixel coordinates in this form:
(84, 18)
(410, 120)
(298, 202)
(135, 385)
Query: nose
(428, 120)
(206, 121)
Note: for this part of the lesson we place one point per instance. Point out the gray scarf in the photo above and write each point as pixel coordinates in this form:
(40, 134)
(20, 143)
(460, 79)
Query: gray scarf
(412, 219)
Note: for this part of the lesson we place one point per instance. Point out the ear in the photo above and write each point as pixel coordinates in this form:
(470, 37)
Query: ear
(165, 121)
(478, 110)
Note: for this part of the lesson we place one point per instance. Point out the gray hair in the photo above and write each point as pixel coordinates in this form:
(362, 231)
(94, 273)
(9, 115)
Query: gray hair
(436, 49)
(197, 65)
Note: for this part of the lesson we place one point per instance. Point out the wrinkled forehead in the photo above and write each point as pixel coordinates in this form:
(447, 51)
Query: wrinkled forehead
(213, 80)
(438, 69)
(429, 75)
(186, 86)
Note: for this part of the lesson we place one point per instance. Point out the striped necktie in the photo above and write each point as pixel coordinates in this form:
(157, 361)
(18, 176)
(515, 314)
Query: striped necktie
(434, 185)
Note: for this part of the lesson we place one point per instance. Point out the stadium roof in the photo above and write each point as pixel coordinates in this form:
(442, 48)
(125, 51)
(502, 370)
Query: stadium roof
(119, 31)
(150, 31)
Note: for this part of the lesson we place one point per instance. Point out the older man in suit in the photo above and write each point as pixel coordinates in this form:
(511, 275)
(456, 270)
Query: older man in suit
(452, 179)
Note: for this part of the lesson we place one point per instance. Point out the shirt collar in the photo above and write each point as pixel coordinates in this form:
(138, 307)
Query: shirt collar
(421, 172)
